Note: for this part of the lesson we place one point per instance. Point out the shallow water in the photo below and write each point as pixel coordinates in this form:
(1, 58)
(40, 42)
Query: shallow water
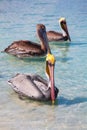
(18, 20)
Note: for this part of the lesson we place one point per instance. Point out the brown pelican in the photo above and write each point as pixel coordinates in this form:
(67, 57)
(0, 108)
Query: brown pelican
(34, 86)
(28, 48)
(57, 36)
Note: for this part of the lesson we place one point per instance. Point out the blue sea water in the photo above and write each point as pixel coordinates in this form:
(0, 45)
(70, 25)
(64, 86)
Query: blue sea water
(18, 21)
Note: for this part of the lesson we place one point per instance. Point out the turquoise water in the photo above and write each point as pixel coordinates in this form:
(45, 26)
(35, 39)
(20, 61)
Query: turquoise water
(18, 20)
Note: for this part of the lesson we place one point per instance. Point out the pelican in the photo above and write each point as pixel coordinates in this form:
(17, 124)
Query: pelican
(34, 86)
(24, 48)
(57, 36)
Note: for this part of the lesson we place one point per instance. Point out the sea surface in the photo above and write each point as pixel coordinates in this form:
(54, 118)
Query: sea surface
(18, 19)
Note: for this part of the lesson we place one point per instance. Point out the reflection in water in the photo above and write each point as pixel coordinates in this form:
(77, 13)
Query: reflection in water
(25, 59)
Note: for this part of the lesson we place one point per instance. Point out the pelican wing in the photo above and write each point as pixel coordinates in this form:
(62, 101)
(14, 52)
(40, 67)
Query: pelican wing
(27, 85)
(23, 84)
(24, 48)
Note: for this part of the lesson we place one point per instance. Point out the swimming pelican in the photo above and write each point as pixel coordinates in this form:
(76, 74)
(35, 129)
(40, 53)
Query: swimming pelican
(57, 36)
(28, 48)
(34, 86)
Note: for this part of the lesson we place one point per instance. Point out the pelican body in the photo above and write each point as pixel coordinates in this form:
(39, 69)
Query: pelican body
(34, 86)
(25, 48)
(57, 36)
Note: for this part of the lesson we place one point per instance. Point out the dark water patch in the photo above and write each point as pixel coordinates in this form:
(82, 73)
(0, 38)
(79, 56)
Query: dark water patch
(68, 102)
(25, 59)
(78, 43)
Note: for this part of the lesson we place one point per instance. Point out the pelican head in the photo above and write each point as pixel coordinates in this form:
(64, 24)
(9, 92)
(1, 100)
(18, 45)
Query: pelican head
(63, 24)
(41, 32)
(50, 63)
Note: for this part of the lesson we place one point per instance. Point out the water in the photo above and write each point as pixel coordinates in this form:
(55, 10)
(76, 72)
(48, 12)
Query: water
(18, 20)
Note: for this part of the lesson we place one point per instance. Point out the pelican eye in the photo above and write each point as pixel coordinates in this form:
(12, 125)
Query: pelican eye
(63, 22)
(49, 63)
(42, 28)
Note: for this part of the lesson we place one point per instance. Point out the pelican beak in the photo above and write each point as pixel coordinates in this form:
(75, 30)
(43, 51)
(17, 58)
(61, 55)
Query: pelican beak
(50, 63)
(66, 30)
(63, 25)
